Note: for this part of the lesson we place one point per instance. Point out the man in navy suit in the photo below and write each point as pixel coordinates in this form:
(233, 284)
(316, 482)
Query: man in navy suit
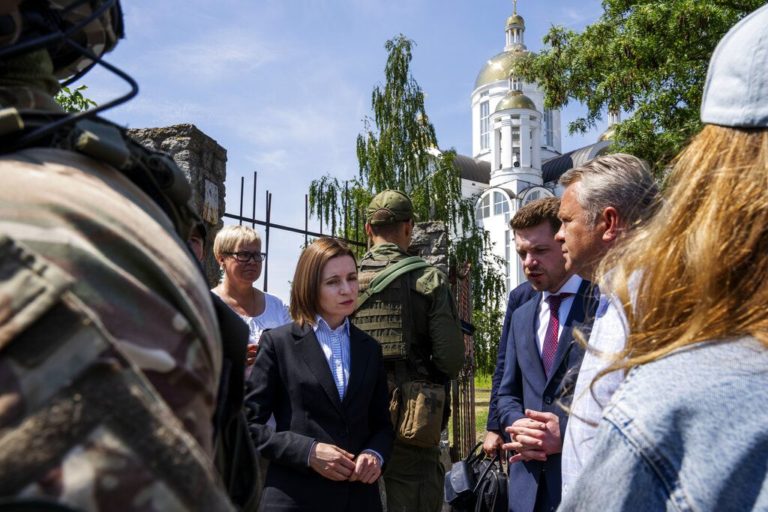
(541, 360)
(494, 436)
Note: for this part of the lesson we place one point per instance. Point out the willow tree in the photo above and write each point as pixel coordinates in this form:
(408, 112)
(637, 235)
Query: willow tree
(647, 58)
(398, 149)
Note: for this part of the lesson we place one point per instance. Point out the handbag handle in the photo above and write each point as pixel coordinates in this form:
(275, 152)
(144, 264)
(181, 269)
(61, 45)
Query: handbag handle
(485, 472)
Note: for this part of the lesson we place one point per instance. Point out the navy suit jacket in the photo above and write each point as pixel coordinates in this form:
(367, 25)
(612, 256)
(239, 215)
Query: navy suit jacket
(524, 385)
(517, 298)
(291, 379)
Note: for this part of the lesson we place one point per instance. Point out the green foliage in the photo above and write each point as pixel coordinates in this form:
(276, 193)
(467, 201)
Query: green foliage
(648, 58)
(483, 381)
(398, 150)
(73, 101)
(488, 324)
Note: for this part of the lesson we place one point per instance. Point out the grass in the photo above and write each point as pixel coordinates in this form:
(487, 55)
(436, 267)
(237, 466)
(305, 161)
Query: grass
(482, 397)
(483, 381)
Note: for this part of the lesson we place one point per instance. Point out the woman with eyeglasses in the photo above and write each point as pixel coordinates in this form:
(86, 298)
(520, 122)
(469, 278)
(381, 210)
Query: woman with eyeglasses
(237, 250)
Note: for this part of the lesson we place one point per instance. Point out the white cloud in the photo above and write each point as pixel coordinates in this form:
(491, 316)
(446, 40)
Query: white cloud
(217, 56)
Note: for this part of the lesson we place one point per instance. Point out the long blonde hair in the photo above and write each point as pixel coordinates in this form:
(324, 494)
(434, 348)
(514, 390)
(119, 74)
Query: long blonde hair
(699, 269)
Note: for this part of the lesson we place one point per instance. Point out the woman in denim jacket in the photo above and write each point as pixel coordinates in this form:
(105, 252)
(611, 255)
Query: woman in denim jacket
(687, 430)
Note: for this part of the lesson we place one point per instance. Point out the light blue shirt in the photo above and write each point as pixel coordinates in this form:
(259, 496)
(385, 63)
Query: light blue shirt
(335, 346)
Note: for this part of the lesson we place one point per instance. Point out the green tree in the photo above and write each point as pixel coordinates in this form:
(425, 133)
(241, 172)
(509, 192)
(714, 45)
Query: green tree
(647, 58)
(73, 100)
(398, 150)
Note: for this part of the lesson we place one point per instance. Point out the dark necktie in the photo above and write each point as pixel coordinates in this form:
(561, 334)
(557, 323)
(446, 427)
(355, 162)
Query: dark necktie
(550, 339)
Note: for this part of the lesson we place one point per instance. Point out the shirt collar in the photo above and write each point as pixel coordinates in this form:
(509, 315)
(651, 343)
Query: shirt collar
(320, 323)
(571, 286)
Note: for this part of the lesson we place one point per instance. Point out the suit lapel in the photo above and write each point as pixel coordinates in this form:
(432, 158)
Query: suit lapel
(313, 357)
(529, 348)
(581, 302)
(358, 363)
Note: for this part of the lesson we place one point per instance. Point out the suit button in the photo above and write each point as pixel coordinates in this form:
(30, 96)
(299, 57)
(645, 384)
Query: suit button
(547, 400)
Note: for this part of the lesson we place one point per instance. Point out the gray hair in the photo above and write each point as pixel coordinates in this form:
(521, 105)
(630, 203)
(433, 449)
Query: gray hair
(621, 181)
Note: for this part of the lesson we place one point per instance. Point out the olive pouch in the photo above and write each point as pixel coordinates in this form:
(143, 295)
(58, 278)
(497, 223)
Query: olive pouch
(417, 412)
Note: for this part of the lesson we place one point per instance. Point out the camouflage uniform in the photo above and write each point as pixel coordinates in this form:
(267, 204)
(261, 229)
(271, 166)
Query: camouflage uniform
(414, 475)
(109, 346)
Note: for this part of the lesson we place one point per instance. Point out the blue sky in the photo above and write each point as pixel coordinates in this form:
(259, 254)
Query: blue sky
(284, 85)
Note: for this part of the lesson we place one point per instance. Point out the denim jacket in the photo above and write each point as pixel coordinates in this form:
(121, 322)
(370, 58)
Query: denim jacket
(686, 432)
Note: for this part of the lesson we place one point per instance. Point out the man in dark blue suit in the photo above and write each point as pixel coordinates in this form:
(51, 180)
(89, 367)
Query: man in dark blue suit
(494, 436)
(541, 360)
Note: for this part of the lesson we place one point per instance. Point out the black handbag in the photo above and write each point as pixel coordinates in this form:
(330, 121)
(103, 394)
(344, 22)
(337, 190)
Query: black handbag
(477, 484)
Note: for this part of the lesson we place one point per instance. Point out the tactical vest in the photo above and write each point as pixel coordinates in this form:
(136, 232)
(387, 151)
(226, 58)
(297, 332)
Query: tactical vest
(388, 317)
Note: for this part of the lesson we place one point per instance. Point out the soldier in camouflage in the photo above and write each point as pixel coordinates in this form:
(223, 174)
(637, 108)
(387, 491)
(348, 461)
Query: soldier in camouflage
(414, 319)
(110, 351)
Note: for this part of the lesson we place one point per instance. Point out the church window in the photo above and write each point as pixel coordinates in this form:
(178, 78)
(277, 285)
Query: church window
(500, 205)
(549, 128)
(484, 208)
(485, 125)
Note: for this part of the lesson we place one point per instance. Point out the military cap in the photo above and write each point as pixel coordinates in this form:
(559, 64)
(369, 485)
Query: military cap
(388, 207)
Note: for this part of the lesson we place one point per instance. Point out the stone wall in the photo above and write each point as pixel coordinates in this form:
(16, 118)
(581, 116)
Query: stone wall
(204, 163)
(430, 241)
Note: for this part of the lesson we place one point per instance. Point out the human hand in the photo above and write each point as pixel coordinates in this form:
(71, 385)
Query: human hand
(525, 446)
(250, 355)
(535, 436)
(367, 468)
(492, 443)
(331, 462)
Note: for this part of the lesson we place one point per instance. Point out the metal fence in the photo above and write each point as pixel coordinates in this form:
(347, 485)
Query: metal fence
(268, 225)
(463, 389)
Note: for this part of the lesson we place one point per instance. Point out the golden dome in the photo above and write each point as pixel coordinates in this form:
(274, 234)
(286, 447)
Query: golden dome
(516, 20)
(498, 67)
(515, 99)
(608, 134)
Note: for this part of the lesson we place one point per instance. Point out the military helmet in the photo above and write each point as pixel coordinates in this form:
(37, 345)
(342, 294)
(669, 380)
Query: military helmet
(73, 31)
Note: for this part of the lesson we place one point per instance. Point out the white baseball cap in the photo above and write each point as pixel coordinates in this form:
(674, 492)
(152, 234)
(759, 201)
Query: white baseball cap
(736, 90)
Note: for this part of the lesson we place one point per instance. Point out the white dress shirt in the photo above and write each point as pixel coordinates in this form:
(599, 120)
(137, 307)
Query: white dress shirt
(571, 286)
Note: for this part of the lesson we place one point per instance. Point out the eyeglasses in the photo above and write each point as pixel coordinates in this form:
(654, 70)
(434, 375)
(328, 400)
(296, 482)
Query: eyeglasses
(246, 256)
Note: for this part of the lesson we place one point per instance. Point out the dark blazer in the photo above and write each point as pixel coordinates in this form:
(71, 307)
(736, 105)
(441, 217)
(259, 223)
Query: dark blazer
(291, 379)
(235, 458)
(517, 297)
(524, 385)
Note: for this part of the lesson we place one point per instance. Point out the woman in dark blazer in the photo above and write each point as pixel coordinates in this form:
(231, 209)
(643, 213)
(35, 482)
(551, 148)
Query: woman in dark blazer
(323, 380)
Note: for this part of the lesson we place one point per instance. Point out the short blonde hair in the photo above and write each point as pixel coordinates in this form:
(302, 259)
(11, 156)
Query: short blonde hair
(231, 236)
(305, 288)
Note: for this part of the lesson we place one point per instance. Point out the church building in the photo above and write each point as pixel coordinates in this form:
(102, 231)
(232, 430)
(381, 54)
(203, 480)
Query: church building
(516, 149)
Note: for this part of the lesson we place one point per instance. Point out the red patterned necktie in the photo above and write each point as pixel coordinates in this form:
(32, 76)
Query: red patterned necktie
(550, 339)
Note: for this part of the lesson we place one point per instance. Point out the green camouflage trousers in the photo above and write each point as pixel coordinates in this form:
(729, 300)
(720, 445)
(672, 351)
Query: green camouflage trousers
(414, 479)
